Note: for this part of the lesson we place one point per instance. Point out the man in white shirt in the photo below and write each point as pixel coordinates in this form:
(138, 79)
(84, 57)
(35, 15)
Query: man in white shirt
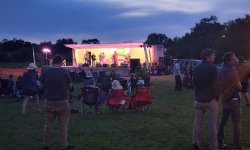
(177, 76)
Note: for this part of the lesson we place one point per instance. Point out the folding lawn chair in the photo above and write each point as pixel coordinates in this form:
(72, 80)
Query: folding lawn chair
(92, 98)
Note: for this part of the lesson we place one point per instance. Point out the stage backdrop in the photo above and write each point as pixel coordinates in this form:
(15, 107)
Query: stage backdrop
(135, 50)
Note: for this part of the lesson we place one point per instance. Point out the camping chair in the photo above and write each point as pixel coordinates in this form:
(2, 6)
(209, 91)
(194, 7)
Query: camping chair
(91, 97)
(142, 99)
(117, 99)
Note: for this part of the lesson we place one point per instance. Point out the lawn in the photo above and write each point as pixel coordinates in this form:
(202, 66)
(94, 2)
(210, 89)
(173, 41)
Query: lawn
(166, 126)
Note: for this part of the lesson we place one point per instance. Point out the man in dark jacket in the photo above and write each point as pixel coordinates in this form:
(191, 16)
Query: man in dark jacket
(206, 98)
(56, 83)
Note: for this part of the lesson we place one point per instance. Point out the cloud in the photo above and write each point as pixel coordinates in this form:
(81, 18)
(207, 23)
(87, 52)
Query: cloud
(151, 7)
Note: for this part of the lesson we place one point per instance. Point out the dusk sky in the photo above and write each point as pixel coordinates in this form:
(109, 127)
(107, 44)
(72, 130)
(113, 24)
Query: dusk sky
(110, 21)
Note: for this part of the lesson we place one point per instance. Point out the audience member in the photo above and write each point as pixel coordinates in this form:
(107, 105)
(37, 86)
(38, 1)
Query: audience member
(141, 98)
(244, 74)
(105, 83)
(117, 96)
(82, 74)
(1, 92)
(56, 83)
(116, 85)
(206, 99)
(131, 84)
(30, 86)
(18, 89)
(11, 85)
(112, 75)
(177, 76)
(230, 87)
(140, 82)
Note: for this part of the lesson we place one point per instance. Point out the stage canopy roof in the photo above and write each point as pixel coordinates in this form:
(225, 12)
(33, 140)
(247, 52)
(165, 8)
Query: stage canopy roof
(115, 45)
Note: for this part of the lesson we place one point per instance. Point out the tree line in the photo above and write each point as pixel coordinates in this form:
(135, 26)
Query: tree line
(17, 50)
(233, 35)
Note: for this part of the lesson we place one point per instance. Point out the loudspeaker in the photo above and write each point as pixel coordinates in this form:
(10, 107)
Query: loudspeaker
(85, 65)
(133, 64)
(105, 65)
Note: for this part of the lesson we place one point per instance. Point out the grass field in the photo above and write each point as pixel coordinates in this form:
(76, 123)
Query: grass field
(166, 126)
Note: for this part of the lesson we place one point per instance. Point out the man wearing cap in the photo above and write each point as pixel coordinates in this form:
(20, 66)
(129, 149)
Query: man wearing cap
(56, 83)
(206, 98)
(30, 86)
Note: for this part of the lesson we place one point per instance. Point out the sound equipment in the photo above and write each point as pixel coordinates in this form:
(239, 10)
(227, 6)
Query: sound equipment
(133, 64)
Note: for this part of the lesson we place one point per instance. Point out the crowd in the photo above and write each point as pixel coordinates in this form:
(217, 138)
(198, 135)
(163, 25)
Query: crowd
(55, 85)
(213, 86)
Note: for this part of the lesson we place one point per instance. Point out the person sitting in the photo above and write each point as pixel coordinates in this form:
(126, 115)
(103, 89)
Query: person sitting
(112, 75)
(105, 83)
(131, 84)
(88, 79)
(142, 97)
(91, 85)
(117, 97)
(140, 82)
(18, 90)
(82, 74)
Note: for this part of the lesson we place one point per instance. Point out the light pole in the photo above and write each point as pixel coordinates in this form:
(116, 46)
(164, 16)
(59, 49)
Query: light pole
(46, 51)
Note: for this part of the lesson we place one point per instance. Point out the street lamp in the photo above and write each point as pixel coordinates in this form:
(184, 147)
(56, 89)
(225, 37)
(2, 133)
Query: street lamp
(46, 51)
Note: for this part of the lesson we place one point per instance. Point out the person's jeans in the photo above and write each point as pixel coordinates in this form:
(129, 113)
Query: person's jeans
(60, 110)
(211, 108)
(178, 83)
(232, 108)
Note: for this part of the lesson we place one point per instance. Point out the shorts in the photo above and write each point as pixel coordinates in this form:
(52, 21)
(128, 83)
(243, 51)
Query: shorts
(29, 92)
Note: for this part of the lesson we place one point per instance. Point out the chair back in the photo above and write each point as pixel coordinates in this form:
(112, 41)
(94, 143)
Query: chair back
(117, 93)
(143, 94)
(90, 95)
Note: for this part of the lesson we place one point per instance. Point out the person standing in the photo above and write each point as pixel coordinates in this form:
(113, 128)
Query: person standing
(177, 76)
(207, 94)
(56, 83)
(11, 85)
(30, 86)
(230, 87)
(244, 74)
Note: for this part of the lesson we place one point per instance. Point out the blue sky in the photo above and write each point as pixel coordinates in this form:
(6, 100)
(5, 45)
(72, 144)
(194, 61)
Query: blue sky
(110, 21)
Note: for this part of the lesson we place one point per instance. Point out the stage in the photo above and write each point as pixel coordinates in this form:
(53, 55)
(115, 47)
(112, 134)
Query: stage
(124, 72)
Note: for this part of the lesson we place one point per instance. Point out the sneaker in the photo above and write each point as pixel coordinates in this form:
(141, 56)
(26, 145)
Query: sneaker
(68, 147)
(196, 147)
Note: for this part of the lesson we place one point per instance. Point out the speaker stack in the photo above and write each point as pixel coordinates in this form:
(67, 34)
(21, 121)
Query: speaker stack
(133, 64)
